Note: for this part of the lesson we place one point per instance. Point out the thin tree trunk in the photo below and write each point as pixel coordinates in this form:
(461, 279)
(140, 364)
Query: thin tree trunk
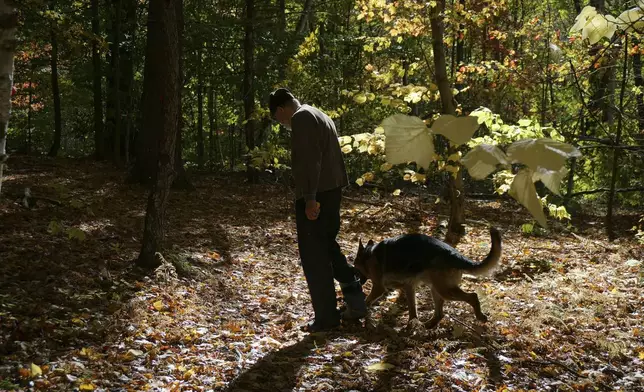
(116, 152)
(200, 133)
(58, 126)
(577, 4)
(8, 42)
(617, 151)
(30, 114)
(213, 126)
(639, 82)
(455, 228)
(248, 91)
(281, 25)
(181, 180)
(162, 109)
(97, 83)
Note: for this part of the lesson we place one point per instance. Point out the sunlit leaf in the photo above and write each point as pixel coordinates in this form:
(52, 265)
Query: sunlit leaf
(408, 140)
(550, 178)
(599, 26)
(541, 153)
(396, 192)
(386, 166)
(523, 190)
(86, 387)
(631, 19)
(482, 160)
(360, 98)
(76, 233)
(36, 371)
(458, 130)
(380, 366)
(360, 181)
(586, 13)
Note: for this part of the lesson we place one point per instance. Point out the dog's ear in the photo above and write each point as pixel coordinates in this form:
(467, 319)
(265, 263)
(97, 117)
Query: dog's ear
(360, 246)
(370, 243)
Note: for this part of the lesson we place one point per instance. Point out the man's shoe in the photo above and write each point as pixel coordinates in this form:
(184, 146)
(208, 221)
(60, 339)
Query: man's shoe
(315, 327)
(354, 298)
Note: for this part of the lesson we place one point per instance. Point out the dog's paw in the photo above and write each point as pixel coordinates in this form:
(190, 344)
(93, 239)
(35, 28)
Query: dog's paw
(482, 318)
(414, 325)
(432, 323)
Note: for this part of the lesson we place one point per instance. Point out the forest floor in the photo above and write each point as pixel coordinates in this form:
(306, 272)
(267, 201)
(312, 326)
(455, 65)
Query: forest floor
(565, 307)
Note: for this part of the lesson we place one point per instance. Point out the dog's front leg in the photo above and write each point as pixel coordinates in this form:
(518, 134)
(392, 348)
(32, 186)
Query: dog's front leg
(410, 293)
(377, 291)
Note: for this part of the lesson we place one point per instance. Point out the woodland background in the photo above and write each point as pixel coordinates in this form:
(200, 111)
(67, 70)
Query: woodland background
(115, 101)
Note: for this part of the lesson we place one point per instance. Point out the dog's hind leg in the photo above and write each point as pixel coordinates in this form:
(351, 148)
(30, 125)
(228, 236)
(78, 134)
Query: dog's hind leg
(457, 294)
(438, 309)
(410, 293)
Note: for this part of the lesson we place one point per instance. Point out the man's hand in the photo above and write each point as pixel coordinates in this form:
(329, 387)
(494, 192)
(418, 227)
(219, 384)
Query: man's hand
(312, 209)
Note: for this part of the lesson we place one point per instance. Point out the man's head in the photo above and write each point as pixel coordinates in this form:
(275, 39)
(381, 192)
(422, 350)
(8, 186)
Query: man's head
(282, 105)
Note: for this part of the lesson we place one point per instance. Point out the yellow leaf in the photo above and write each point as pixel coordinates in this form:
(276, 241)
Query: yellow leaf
(187, 375)
(396, 192)
(417, 177)
(360, 98)
(347, 354)
(455, 157)
(35, 370)
(360, 181)
(380, 366)
(380, 130)
(347, 149)
(641, 355)
(87, 387)
(369, 176)
(386, 166)
(158, 305)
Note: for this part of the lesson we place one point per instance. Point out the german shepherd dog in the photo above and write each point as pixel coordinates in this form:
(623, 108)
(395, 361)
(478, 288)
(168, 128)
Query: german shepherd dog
(408, 260)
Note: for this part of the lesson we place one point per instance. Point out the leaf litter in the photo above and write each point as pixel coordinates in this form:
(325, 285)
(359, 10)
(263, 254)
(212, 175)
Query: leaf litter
(565, 308)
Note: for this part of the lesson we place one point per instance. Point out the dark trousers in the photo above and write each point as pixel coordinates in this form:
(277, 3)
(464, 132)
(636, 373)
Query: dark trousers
(320, 253)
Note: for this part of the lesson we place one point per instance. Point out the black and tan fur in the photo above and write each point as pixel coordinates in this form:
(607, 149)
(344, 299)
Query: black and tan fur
(408, 260)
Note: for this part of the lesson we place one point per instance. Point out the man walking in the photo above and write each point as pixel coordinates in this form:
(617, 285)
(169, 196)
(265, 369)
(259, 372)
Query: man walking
(320, 175)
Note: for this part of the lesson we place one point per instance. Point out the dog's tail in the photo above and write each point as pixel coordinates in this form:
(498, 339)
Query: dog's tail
(491, 262)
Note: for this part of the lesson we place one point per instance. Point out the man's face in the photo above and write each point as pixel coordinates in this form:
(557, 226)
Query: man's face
(283, 117)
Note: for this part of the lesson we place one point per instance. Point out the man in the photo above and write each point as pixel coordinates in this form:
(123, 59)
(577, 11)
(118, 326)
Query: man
(320, 175)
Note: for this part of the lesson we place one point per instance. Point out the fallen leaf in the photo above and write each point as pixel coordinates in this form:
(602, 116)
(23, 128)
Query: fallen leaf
(380, 366)
(87, 387)
(35, 370)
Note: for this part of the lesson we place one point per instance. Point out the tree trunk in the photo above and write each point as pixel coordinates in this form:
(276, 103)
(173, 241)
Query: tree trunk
(8, 42)
(161, 112)
(617, 151)
(97, 83)
(212, 119)
(116, 92)
(147, 147)
(58, 126)
(200, 134)
(181, 180)
(30, 114)
(248, 90)
(281, 25)
(639, 82)
(455, 228)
